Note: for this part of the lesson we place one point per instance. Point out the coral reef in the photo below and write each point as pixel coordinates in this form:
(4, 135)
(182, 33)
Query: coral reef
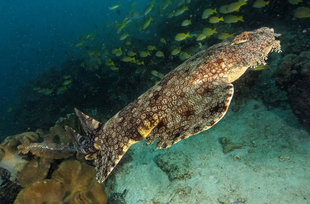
(8, 188)
(47, 191)
(72, 182)
(9, 157)
(80, 183)
(35, 170)
(294, 77)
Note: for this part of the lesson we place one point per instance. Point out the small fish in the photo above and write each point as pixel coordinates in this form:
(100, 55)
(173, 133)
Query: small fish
(295, 2)
(232, 7)
(181, 2)
(182, 36)
(124, 36)
(184, 56)
(224, 36)
(200, 45)
(186, 22)
(144, 54)
(233, 19)
(209, 31)
(175, 51)
(165, 4)
(149, 8)
(94, 53)
(115, 7)
(201, 37)
(302, 12)
(61, 90)
(151, 47)
(138, 62)
(147, 23)
(208, 12)
(109, 62)
(128, 59)
(157, 74)
(261, 67)
(171, 14)
(44, 91)
(215, 19)
(159, 54)
(90, 36)
(260, 4)
(67, 82)
(80, 44)
(122, 25)
(117, 52)
(67, 77)
(131, 53)
(181, 11)
(163, 40)
(114, 68)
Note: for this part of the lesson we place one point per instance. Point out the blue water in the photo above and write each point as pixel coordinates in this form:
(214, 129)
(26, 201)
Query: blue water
(36, 35)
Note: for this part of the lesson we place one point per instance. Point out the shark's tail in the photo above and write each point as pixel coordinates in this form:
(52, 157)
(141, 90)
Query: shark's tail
(85, 145)
(105, 149)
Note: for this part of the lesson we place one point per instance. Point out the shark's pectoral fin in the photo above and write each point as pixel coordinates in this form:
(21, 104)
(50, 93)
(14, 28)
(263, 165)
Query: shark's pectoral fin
(199, 111)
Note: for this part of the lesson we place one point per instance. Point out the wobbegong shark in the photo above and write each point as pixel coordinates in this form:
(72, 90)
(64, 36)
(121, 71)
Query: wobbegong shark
(191, 98)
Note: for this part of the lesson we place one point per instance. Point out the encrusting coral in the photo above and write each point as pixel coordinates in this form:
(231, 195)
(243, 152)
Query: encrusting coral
(47, 191)
(35, 170)
(9, 157)
(72, 182)
(80, 183)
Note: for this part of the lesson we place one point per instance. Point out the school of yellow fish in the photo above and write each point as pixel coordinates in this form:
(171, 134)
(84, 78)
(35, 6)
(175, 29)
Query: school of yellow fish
(155, 13)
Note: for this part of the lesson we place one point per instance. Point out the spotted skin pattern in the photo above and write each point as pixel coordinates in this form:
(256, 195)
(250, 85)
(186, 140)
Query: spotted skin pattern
(188, 100)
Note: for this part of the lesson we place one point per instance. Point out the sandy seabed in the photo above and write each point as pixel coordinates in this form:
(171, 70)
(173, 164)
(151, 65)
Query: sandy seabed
(272, 164)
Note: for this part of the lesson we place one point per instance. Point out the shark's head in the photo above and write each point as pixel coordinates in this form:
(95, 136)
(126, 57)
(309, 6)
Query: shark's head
(250, 49)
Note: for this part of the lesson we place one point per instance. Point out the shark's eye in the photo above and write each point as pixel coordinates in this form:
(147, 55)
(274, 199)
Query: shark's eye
(242, 38)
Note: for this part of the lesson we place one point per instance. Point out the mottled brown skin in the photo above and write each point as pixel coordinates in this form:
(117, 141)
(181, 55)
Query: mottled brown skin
(188, 100)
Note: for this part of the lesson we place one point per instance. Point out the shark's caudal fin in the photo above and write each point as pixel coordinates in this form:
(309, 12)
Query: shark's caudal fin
(106, 149)
(85, 145)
